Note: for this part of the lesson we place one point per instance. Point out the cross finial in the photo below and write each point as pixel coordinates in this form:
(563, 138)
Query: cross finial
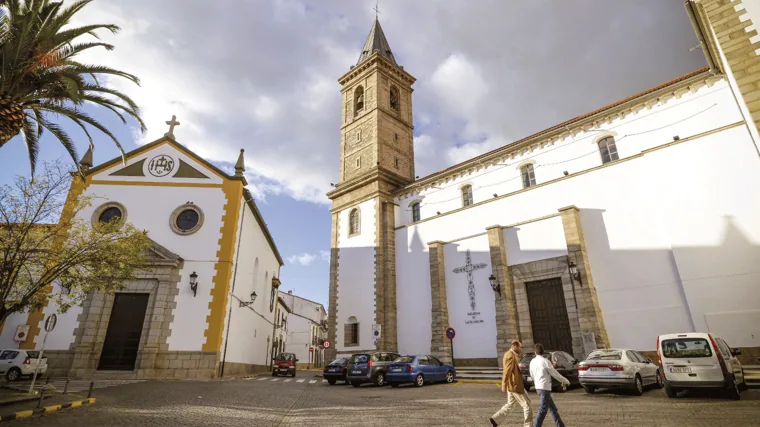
(377, 10)
(173, 122)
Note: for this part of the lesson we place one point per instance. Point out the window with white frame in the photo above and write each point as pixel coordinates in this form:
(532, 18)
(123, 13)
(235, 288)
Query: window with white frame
(528, 176)
(608, 149)
(353, 222)
(466, 195)
(416, 212)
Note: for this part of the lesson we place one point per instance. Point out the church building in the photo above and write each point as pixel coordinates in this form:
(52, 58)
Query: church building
(636, 219)
(202, 308)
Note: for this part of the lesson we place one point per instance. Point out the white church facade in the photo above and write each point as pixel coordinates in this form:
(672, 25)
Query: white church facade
(204, 306)
(637, 219)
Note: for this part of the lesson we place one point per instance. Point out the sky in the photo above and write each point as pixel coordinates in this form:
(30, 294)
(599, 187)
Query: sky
(262, 75)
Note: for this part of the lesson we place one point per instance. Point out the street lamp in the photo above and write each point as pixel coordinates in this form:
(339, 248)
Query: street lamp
(246, 304)
(494, 284)
(194, 283)
(574, 273)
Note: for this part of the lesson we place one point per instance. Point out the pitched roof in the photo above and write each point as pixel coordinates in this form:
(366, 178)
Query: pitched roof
(248, 197)
(376, 41)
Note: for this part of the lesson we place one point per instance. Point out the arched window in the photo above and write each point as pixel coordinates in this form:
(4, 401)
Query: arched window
(466, 195)
(607, 149)
(255, 274)
(416, 212)
(358, 99)
(528, 177)
(272, 297)
(353, 222)
(394, 99)
(351, 332)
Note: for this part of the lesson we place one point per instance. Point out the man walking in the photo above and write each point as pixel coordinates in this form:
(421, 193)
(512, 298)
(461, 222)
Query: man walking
(512, 384)
(542, 370)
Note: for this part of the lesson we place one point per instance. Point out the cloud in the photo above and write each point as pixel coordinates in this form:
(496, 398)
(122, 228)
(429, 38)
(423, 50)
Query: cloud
(304, 259)
(263, 75)
(325, 255)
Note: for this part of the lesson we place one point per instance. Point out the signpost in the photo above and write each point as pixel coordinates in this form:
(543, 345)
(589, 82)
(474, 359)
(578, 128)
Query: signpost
(376, 330)
(49, 326)
(450, 334)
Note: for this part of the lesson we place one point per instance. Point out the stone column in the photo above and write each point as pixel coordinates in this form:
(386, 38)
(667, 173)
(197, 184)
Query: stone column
(332, 320)
(440, 346)
(589, 312)
(506, 307)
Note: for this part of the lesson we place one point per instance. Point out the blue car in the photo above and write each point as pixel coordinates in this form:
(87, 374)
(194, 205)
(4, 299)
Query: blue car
(419, 370)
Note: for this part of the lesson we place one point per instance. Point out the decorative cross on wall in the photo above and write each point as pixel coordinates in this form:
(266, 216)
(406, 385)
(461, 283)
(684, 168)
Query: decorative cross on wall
(468, 268)
(173, 122)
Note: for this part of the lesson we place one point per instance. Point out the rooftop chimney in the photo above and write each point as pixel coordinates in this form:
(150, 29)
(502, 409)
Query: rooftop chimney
(290, 292)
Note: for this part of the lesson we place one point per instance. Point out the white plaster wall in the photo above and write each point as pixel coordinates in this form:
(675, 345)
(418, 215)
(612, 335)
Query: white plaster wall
(753, 13)
(356, 276)
(413, 298)
(535, 241)
(9, 330)
(310, 309)
(475, 334)
(62, 336)
(299, 338)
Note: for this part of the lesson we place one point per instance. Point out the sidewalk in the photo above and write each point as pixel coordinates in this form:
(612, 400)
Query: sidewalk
(26, 405)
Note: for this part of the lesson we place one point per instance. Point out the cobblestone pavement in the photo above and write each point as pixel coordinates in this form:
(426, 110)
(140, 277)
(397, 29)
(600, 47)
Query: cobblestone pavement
(256, 402)
(74, 386)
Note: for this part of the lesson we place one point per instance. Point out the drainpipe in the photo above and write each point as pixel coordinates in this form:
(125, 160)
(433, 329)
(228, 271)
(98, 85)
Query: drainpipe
(234, 278)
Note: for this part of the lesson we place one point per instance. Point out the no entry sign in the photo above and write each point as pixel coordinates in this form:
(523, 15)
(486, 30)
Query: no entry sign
(450, 333)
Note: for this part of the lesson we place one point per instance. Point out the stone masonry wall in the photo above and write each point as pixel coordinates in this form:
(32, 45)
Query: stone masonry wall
(440, 345)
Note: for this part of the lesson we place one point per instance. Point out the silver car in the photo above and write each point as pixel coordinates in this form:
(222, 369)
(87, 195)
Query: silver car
(618, 368)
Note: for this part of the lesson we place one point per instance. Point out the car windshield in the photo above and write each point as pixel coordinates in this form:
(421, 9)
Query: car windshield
(34, 354)
(686, 347)
(605, 355)
(338, 361)
(287, 357)
(360, 358)
(404, 359)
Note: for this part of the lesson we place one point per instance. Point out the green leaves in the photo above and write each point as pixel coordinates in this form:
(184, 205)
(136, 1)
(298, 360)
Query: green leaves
(39, 73)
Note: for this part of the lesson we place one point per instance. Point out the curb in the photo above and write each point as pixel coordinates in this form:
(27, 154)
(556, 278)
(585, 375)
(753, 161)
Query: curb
(466, 381)
(47, 409)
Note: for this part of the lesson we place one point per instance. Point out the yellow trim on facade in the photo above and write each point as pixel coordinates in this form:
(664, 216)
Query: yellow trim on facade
(155, 184)
(233, 192)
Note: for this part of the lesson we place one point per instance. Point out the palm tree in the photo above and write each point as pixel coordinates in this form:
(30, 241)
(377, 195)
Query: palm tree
(39, 74)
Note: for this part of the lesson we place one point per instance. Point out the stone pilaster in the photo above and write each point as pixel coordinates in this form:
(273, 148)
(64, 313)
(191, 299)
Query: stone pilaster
(440, 346)
(332, 319)
(589, 311)
(385, 275)
(506, 307)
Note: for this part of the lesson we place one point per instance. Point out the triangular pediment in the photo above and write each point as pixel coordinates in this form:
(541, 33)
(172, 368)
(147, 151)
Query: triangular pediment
(157, 254)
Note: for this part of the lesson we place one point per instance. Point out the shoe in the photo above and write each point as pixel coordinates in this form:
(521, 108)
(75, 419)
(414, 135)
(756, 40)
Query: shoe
(493, 423)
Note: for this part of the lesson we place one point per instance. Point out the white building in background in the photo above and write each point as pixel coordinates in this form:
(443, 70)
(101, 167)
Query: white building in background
(307, 329)
(637, 219)
(204, 306)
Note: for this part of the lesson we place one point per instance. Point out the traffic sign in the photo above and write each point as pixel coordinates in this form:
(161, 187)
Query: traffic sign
(327, 344)
(450, 333)
(376, 329)
(50, 322)
(311, 349)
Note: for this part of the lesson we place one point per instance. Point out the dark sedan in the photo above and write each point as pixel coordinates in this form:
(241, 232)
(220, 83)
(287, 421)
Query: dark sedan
(563, 362)
(336, 371)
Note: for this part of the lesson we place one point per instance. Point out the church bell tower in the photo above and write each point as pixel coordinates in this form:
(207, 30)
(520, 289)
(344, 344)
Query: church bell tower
(376, 157)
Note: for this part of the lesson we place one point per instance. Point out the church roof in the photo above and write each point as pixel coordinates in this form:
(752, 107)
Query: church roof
(376, 41)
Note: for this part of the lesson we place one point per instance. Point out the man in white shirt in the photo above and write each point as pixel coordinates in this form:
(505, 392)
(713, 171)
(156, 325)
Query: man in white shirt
(542, 371)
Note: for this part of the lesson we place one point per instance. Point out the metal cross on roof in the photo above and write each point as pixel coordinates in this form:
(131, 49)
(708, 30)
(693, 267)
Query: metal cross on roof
(172, 123)
(377, 10)
(468, 268)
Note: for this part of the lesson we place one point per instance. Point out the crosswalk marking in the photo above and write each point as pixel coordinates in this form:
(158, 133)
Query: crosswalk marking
(313, 382)
(275, 379)
(300, 381)
(288, 380)
(263, 379)
(324, 381)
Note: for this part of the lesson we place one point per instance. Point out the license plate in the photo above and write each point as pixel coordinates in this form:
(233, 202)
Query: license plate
(598, 369)
(680, 370)
(530, 379)
(283, 369)
(396, 370)
(332, 369)
(356, 372)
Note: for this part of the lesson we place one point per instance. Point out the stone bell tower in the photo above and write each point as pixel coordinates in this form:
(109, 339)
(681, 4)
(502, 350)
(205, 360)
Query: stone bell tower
(376, 157)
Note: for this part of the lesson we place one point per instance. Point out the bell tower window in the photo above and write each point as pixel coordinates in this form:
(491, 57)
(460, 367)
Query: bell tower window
(358, 100)
(394, 99)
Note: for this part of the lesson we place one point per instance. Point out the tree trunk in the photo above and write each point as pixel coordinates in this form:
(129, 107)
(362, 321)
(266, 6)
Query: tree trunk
(11, 119)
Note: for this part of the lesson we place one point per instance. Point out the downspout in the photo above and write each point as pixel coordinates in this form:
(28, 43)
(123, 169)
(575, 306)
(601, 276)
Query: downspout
(234, 278)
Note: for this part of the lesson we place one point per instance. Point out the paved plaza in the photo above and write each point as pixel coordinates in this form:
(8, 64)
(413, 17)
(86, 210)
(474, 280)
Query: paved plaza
(312, 402)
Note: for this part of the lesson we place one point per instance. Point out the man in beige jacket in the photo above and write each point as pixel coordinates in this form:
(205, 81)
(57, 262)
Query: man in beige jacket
(512, 384)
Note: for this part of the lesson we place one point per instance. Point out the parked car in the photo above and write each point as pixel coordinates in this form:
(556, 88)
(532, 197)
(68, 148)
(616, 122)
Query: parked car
(369, 368)
(618, 368)
(15, 363)
(564, 363)
(699, 360)
(419, 370)
(284, 364)
(336, 371)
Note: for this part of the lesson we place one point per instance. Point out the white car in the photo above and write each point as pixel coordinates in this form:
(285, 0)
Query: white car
(15, 363)
(618, 368)
(699, 360)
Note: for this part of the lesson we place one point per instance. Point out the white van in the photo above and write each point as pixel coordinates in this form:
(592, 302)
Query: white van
(699, 360)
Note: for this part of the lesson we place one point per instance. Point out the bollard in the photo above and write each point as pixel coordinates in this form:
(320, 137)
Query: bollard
(42, 396)
(47, 380)
(66, 386)
(89, 393)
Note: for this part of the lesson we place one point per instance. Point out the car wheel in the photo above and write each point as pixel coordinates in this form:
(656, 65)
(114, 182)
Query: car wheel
(394, 385)
(671, 392)
(331, 382)
(589, 389)
(658, 382)
(733, 391)
(380, 379)
(355, 384)
(293, 375)
(743, 386)
(274, 374)
(449, 377)
(638, 386)
(13, 374)
(419, 381)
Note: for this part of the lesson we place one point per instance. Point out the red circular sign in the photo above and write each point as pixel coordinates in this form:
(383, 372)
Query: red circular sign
(311, 349)
(327, 344)
(450, 333)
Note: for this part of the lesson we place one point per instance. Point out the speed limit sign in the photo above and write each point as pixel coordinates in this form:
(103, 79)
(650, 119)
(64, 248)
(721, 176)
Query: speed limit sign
(327, 344)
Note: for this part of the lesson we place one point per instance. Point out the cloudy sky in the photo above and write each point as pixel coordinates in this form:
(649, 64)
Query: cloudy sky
(262, 75)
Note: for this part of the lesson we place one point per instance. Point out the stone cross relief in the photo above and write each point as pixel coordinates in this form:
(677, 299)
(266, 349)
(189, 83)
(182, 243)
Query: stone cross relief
(468, 268)
(172, 123)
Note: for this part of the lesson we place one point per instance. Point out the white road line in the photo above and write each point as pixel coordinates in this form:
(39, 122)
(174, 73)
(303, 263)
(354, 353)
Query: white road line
(275, 379)
(300, 381)
(262, 379)
(313, 382)
(324, 381)
(287, 381)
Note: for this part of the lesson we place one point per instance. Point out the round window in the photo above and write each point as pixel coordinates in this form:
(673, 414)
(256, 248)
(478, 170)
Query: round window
(110, 214)
(187, 219)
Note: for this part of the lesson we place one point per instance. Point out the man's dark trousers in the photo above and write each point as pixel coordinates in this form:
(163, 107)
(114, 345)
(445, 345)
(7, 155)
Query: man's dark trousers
(547, 404)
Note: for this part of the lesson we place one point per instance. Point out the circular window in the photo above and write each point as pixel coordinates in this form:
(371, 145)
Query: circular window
(186, 219)
(108, 212)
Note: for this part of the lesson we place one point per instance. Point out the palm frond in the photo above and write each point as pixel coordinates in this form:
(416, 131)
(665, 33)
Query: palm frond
(30, 134)
(62, 136)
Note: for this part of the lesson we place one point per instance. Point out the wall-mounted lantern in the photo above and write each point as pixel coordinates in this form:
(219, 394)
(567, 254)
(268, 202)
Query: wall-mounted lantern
(246, 304)
(494, 284)
(574, 273)
(194, 283)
